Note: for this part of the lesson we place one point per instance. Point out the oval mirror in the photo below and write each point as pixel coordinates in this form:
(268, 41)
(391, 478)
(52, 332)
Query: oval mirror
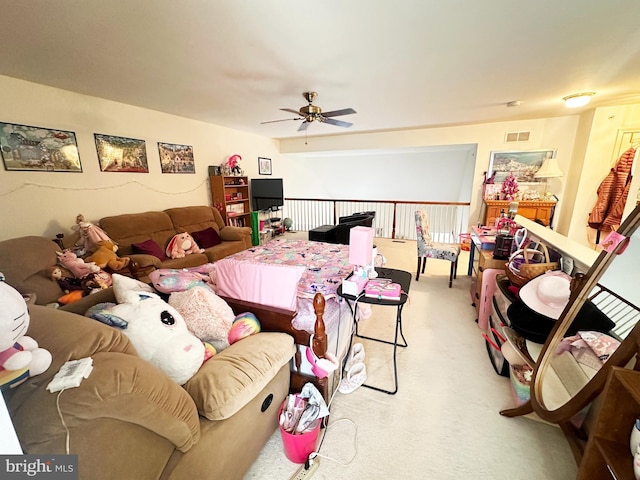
(566, 379)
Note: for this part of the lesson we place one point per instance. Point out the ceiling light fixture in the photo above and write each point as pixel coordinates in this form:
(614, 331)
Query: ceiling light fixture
(578, 99)
(515, 103)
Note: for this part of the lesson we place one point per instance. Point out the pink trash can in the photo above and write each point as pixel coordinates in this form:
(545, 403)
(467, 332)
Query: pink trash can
(297, 448)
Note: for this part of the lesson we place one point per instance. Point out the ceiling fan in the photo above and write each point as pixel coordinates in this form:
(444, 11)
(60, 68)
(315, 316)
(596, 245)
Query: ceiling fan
(311, 113)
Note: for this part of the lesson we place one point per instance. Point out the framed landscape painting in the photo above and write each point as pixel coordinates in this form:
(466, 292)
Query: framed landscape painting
(38, 149)
(121, 154)
(176, 158)
(523, 164)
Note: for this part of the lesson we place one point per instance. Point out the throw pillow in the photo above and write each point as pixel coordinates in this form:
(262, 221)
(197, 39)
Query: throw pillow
(207, 315)
(149, 247)
(207, 238)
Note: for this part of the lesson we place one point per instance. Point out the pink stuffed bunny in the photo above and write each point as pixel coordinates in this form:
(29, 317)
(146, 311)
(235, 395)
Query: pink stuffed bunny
(75, 265)
(182, 244)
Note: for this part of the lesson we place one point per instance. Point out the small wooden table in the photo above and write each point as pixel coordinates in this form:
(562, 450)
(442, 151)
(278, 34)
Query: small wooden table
(404, 279)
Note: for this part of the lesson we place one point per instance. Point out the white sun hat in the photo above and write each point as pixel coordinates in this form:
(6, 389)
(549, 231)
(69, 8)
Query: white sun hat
(547, 294)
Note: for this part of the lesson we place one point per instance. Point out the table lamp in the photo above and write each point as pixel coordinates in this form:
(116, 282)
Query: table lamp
(548, 169)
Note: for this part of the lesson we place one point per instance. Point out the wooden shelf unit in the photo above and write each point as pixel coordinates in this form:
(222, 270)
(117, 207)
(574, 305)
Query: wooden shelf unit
(607, 454)
(233, 194)
(533, 210)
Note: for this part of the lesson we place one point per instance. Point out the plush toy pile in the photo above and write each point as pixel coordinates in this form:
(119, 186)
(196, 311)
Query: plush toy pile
(156, 329)
(83, 278)
(20, 356)
(177, 336)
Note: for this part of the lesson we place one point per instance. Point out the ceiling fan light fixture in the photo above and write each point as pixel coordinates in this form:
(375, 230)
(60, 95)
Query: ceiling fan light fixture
(578, 99)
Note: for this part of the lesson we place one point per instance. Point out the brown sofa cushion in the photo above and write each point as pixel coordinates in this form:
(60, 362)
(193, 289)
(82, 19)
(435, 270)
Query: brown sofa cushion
(24, 262)
(196, 218)
(233, 377)
(130, 228)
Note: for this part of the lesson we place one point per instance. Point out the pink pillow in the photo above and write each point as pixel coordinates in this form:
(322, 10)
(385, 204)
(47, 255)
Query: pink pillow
(207, 238)
(149, 247)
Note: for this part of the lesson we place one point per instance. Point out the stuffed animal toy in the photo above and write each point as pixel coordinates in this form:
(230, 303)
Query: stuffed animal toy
(169, 280)
(156, 329)
(66, 283)
(77, 266)
(181, 245)
(90, 234)
(18, 351)
(207, 315)
(105, 256)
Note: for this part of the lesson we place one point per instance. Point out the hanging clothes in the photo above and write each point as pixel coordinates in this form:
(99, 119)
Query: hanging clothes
(612, 195)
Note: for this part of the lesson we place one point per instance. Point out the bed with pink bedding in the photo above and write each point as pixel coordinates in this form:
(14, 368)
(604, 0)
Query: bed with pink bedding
(287, 274)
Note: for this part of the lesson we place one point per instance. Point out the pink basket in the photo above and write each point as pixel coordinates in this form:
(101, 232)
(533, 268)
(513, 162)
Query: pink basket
(297, 448)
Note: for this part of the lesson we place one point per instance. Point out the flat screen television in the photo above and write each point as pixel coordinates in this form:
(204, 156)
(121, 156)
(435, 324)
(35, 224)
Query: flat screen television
(266, 193)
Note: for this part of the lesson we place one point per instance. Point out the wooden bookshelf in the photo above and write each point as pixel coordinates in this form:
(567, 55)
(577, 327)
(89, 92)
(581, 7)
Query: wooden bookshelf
(232, 192)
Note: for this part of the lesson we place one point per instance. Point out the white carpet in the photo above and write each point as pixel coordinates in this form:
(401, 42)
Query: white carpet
(443, 423)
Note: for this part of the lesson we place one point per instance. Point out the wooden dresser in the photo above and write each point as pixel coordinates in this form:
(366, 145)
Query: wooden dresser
(530, 209)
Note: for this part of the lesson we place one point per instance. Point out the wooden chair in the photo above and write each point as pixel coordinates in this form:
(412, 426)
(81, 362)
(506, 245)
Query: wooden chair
(427, 248)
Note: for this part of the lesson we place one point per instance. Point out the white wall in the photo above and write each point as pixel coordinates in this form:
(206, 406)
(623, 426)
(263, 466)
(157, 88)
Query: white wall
(600, 155)
(430, 174)
(44, 203)
(555, 133)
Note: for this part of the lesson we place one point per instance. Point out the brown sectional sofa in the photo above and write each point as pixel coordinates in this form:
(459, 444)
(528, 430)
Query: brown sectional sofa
(128, 420)
(160, 226)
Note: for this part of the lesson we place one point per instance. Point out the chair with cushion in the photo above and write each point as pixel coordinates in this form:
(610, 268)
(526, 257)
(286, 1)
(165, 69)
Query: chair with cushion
(427, 248)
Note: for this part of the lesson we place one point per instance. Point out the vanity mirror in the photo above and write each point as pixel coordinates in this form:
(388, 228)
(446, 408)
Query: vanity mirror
(565, 382)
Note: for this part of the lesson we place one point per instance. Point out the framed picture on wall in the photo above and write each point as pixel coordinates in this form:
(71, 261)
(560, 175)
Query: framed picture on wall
(264, 166)
(523, 164)
(38, 149)
(176, 158)
(121, 154)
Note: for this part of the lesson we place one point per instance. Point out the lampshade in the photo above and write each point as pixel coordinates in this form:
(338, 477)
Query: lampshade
(578, 99)
(549, 169)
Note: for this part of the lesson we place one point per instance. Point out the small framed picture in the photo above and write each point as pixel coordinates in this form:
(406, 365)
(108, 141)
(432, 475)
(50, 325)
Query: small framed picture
(176, 158)
(121, 154)
(264, 166)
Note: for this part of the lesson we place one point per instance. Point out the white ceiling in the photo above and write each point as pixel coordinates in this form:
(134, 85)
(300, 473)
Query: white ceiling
(400, 64)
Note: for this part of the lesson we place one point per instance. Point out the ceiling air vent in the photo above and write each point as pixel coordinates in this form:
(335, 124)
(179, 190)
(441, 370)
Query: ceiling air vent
(511, 137)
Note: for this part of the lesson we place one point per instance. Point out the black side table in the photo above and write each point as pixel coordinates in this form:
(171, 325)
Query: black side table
(404, 279)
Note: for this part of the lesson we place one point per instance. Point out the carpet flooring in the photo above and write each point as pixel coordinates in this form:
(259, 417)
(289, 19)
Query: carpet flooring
(443, 423)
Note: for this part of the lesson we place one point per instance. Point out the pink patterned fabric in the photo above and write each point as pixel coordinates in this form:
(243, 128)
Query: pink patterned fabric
(326, 265)
(287, 274)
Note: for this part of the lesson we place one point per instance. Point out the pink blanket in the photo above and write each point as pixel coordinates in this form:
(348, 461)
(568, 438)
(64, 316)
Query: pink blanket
(283, 273)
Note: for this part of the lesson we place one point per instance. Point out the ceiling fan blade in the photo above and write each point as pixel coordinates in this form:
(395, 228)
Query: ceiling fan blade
(303, 126)
(290, 110)
(337, 113)
(283, 120)
(337, 123)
